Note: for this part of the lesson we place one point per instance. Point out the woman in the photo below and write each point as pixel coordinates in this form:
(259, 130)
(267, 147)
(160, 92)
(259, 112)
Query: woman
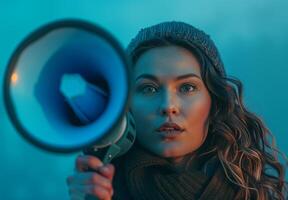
(195, 138)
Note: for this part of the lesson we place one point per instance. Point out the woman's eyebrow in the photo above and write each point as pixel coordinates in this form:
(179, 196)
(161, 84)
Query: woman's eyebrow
(154, 78)
(188, 76)
(147, 76)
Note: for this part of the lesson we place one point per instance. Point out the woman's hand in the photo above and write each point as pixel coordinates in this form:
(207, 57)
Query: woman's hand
(97, 183)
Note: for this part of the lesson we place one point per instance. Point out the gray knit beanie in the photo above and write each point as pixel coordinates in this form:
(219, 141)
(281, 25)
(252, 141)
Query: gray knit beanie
(183, 32)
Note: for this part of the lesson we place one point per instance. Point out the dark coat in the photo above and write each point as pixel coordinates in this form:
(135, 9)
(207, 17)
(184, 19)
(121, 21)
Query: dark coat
(141, 175)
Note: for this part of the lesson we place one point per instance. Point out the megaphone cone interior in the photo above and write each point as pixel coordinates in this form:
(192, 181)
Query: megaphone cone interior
(81, 97)
(39, 108)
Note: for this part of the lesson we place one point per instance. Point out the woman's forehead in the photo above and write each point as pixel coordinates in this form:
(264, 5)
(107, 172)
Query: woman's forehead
(167, 62)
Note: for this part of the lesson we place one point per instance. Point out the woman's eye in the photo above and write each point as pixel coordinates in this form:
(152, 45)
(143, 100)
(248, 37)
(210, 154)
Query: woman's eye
(148, 89)
(187, 88)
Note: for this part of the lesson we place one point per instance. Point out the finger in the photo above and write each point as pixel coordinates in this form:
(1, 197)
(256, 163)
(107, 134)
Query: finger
(89, 178)
(108, 171)
(100, 192)
(94, 190)
(84, 162)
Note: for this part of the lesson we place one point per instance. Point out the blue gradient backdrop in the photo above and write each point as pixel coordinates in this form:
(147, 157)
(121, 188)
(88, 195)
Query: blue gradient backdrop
(251, 36)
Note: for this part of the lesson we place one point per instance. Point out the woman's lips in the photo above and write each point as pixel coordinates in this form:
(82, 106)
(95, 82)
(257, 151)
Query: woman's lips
(170, 130)
(169, 126)
(170, 134)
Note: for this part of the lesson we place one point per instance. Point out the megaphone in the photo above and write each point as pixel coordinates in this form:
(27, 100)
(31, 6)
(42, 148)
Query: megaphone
(67, 88)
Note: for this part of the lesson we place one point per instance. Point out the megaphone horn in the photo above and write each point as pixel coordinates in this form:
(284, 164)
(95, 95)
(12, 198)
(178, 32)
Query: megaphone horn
(67, 87)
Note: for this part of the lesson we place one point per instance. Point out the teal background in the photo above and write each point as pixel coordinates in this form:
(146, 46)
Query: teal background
(251, 36)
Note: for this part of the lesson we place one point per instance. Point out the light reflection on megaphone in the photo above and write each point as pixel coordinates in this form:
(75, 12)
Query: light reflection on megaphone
(67, 88)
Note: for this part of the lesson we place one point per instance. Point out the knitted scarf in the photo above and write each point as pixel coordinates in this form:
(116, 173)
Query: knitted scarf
(141, 175)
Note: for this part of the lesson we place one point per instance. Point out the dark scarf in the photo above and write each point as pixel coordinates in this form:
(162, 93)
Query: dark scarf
(141, 175)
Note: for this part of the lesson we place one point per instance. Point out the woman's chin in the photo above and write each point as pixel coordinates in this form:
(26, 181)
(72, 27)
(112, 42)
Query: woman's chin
(170, 150)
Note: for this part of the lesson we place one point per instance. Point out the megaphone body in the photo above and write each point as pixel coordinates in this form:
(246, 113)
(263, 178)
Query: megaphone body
(67, 88)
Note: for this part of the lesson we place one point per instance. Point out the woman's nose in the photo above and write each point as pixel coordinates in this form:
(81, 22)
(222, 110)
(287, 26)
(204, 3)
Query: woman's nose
(172, 110)
(169, 105)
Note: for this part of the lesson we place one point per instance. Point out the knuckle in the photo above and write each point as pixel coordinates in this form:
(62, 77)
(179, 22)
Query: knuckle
(108, 171)
(100, 192)
(94, 162)
(95, 190)
(90, 161)
(94, 178)
(109, 185)
(111, 168)
(101, 181)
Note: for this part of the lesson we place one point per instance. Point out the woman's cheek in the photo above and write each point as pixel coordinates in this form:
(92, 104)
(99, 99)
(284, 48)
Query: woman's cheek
(141, 105)
(197, 109)
(144, 113)
(137, 104)
(139, 108)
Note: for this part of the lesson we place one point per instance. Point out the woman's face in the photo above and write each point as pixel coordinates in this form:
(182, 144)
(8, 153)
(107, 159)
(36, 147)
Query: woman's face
(169, 88)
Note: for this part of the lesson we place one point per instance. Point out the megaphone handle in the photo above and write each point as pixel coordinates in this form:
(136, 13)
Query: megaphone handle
(112, 151)
(105, 154)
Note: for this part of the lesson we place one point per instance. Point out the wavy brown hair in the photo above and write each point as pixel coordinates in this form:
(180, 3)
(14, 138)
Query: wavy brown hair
(237, 138)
